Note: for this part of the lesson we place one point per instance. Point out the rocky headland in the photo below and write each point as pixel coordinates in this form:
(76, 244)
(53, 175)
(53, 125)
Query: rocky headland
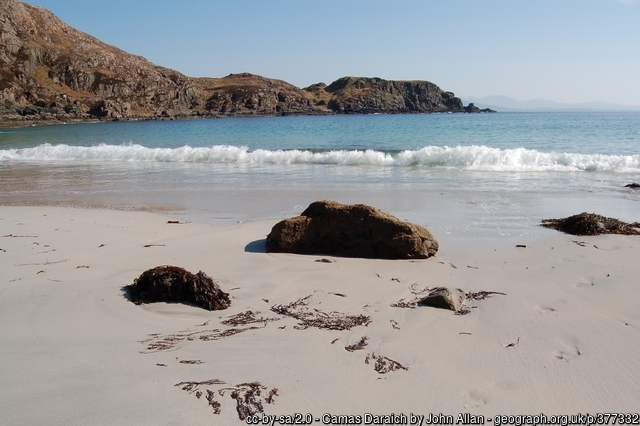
(51, 72)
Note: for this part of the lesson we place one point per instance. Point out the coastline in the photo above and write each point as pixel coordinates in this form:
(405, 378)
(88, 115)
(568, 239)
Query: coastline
(22, 122)
(560, 341)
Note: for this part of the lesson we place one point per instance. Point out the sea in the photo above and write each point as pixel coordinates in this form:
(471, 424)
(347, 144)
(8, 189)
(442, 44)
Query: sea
(467, 177)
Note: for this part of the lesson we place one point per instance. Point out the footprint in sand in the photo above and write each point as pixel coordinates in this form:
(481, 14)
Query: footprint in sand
(545, 309)
(552, 306)
(476, 399)
(473, 399)
(584, 282)
(568, 352)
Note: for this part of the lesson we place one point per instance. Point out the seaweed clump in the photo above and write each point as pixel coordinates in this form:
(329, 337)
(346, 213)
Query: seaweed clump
(174, 284)
(591, 224)
(384, 365)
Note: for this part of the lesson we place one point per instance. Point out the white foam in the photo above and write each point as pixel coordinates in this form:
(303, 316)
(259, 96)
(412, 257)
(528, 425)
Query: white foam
(475, 157)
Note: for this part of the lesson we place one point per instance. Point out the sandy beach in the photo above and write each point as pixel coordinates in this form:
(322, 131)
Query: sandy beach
(561, 340)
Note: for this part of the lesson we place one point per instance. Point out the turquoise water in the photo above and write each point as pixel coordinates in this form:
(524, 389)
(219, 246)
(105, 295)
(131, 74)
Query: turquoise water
(480, 170)
(578, 133)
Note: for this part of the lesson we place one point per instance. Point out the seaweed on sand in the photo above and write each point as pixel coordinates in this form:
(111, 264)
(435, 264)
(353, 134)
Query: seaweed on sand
(247, 317)
(167, 342)
(358, 346)
(319, 319)
(384, 365)
(192, 387)
(591, 224)
(249, 397)
(175, 284)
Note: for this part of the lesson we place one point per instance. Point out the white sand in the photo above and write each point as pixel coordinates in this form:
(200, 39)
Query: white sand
(71, 349)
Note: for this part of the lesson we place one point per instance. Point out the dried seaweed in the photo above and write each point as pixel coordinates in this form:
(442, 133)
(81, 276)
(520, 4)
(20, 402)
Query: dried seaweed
(192, 387)
(384, 365)
(248, 317)
(191, 361)
(512, 344)
(402, 303)
(358, 346)
(249, 398)
(226, 333)
(217, 407)
(168, 342)
(481, 295)
(319, 319)
(591, 224)
(271, 397)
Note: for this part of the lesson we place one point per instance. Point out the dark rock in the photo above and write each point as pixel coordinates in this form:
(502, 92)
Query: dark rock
(249, 94)
(471, 108)
(328, 227)
(590, 224)
(174, 284)
(359, 95)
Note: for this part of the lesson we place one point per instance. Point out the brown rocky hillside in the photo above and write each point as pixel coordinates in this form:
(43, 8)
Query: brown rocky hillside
(52, 72)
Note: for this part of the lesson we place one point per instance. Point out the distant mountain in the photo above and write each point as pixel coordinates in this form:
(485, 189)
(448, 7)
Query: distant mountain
(51, 72)
(505, 103)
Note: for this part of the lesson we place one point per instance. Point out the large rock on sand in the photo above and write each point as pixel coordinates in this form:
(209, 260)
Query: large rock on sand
(331, 228)
(174, 284)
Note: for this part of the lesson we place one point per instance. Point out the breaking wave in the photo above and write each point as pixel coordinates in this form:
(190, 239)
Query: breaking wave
(475, 157)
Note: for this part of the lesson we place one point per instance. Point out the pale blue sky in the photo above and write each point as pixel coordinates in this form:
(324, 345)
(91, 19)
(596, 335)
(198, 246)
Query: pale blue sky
(562, 50)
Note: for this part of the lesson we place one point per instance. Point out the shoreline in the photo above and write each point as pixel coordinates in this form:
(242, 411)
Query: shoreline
(559, 341)
(9, 124)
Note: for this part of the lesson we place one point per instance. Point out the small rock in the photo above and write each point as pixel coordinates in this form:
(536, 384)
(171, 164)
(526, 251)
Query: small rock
(443, 298)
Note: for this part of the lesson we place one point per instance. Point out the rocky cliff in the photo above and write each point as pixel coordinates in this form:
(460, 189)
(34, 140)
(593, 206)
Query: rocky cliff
(357, 95)
(52, 72)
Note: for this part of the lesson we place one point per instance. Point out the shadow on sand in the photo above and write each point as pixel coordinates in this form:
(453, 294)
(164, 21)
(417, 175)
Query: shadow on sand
(257, 246)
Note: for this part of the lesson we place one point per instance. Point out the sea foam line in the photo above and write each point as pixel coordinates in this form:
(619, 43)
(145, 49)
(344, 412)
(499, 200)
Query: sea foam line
(475, 157)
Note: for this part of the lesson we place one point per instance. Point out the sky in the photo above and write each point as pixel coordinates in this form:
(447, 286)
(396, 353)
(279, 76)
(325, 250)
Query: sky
(569, 51)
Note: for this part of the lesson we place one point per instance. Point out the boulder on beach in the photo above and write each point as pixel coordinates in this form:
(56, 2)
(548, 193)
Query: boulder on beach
(591, 224)
(331, 228)
(175, 284)
(444, 298)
